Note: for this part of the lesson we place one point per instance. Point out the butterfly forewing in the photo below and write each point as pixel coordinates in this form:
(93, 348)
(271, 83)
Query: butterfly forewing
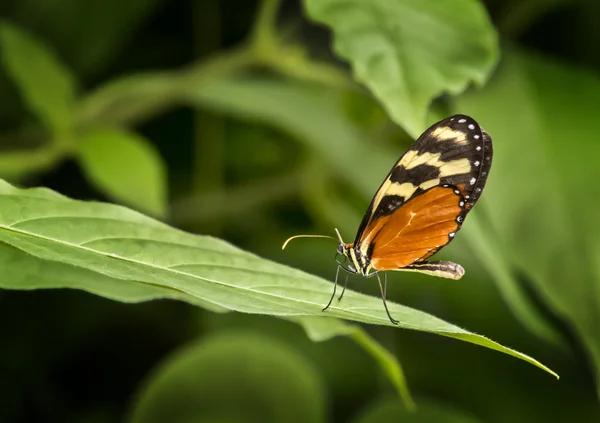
(418, 229)
(435, 183)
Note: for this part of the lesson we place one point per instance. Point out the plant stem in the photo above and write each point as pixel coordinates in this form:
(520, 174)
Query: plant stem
(264, 32)
(388, 362)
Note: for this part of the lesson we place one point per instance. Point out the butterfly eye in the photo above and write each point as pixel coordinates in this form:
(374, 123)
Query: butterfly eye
(340, 249)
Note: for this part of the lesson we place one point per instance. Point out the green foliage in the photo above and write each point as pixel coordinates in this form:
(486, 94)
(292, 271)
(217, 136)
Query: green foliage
(541, 109)
(127, 167)
(261, 141)
(233, 377)
(409, 52)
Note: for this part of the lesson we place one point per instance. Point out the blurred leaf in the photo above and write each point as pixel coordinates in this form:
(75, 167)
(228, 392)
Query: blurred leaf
(129, 247)
(519, 160)
(323, 201)
(45, 84)
(127, 167)
(233, 377)
(311, 113)
(488, 250)
(389, 410)
(318, 330)
(567, 100)
(410, 51)
(541, 232)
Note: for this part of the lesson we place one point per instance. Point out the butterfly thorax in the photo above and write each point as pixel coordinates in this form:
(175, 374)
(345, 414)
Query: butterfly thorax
(356, 261)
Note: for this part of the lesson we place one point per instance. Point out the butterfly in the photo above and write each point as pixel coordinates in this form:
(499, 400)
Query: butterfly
(420, 206)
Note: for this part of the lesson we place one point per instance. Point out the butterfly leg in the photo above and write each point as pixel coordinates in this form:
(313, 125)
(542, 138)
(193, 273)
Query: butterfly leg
(442, 269)
(337, 273)
(344, 290)
(383, 291)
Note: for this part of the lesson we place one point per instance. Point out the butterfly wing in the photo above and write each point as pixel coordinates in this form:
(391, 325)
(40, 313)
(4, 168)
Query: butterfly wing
(456, 152)
(419, 228)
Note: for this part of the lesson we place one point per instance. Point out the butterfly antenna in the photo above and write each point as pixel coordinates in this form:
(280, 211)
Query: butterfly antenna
(339, 236)
(304, 236)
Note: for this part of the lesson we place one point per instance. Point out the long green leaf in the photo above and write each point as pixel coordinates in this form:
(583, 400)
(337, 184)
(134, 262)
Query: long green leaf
(129, 248)
(410, 51)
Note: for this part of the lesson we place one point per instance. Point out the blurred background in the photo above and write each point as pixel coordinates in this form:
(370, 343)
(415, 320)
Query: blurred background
(235, 118)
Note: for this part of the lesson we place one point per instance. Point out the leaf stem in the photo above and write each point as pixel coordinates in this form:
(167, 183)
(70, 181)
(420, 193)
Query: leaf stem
(264, 29)
(387, 361)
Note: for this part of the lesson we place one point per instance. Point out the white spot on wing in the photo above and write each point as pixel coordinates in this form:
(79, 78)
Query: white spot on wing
(472, 181)
(478, 148)
(471, 126)
(461, 204)
(462, 120)
(476, 163)
(451, 234)
(476, 136)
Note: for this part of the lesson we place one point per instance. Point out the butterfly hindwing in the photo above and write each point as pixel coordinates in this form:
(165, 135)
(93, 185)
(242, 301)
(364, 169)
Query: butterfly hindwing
(455, 152)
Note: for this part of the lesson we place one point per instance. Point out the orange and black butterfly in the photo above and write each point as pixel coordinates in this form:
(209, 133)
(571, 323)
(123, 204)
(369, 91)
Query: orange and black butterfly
(421, 205)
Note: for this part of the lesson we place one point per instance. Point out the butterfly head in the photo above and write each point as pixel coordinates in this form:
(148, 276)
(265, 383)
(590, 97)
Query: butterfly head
(346, 256)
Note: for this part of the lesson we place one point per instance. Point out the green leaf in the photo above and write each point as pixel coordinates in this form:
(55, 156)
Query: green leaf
(544, 114)
(127, 167)
(410, 51)
(389, 410)
(505, 108)
(46, 85)
(233, 377)
(128, 247)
